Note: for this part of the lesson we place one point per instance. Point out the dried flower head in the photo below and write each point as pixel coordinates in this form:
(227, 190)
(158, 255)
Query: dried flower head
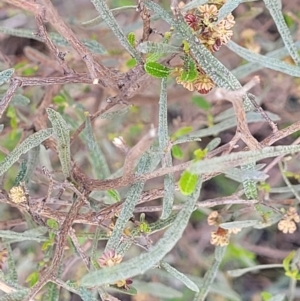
(214, 218)
(109, 258)
(293, 215)
(288, 223)
(220, 237)
(18, 194)
(203, 20)
(287, 226)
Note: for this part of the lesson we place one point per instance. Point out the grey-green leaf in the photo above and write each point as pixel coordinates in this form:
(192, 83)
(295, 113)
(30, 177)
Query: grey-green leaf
(29, 143)
(62, 135)
(6, 75)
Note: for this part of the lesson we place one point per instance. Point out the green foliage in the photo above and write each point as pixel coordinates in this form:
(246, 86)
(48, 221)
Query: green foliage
(157, 70)
(187, 182)
(99, 197)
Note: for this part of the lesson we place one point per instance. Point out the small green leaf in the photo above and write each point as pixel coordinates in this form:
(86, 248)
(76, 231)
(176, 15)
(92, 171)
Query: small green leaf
(190, 71)
(200, 154)
(181, 132)
(287, 260)
(131, 63)
(131, 39)
(266, 296)
(201, 103)
(114, 194)
(53, 224)
(187, 182)
(177, 152)
(6, 75)
(32, 278)
(156, 69)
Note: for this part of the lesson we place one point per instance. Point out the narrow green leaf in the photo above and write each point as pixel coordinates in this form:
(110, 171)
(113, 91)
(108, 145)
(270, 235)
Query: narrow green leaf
(19, 100)
(35, 234)
(158, 290)
(147, 163)
(114, 194)
(267, 62)
(275, 9)
(96, 158)
(201, 103)
(32, 161)
(131, 38)
(6, 75)
(177, 152)
(188, 182)
(109, 19)
(32, 278)
(240, 272)
(190, 71)
(182, 132)
(21, 174)
(157, 70)
(29, 143)
(210, 275)
(159, 48)
(62, 135)
(219, 164)
(287, 261)
(239, 224)
(12, 271)
(180, 276)
(145, 261)
(115, 11)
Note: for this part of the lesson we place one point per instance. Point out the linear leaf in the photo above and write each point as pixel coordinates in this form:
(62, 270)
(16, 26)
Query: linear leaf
(180, 276)
(33, 234)
(114, 11)
(12, 271)
(240, 272)
(267, 62)
(32, 161)
(246, 69)
(193, 4)
(227, 8)
(219, 164)
(158, 290)
(154, 47)
(240, 175)
(6, 75)
(19, 100)
(110, 20)
(96, 158)
(62, 135)
(145, 261)
(57, 39)
(275, 9)
(210, 275)
(29, 143)
(239, 224)
(163, 140)
(147, 163)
